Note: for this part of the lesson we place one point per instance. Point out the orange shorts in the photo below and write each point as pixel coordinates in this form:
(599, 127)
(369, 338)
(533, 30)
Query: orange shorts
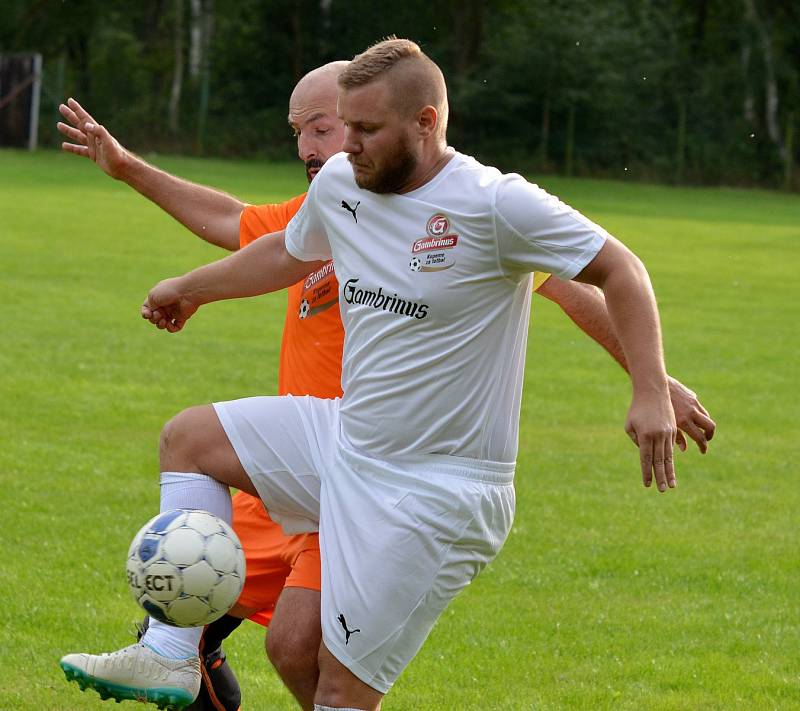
(274, 560)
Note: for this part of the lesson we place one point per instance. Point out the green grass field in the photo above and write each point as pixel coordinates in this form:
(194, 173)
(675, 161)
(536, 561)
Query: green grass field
(606, 595)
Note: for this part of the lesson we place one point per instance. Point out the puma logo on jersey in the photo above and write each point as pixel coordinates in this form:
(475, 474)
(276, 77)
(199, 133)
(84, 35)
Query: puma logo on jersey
(347, 632)
(351, 210)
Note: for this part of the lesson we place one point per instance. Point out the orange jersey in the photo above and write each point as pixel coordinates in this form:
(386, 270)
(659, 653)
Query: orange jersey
(313, 337)
(310, 364)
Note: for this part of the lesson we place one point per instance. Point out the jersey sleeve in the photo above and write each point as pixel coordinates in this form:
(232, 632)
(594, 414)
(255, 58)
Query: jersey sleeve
(538, 232)
(306, 237)
(259, 220)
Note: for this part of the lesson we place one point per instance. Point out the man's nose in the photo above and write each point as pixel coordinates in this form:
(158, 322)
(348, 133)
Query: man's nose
(351, 144)
(306, 148)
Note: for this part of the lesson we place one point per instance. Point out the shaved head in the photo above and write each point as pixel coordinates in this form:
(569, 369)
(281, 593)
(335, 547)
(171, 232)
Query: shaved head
(319, 86)
(414, 79)
(313, 119)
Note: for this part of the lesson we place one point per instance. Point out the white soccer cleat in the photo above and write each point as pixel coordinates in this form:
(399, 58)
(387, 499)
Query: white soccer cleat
(136, 673)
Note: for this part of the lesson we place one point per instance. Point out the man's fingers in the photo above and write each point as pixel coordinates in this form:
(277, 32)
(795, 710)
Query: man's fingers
(68, 114)
(669, 463)
(77, 150)
(680, 440)
(80, 112)
(707, 424)
(698, 435)
(93, 139)
(161, 318)
(151, 313)
(72, 133)
(659, 465)
(95, 135)
(646, 459)
(655, 455)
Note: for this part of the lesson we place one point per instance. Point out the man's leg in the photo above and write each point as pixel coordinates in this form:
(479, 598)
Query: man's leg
(194, 441)
(220, 689)
(281, 441)
(269, 554)
(197, 464)
(399, 540)
(339, 688)
(164, 667)
(293, 642)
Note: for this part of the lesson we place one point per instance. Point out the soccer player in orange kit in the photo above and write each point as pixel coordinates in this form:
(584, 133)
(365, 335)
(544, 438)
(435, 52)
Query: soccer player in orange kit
(283, 572)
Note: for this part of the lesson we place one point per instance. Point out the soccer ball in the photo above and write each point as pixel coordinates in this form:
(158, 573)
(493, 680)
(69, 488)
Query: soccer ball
(415, 264)
(304, 308)
(186, 567)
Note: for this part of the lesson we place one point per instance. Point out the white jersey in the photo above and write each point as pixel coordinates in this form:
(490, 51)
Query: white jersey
(434, 290)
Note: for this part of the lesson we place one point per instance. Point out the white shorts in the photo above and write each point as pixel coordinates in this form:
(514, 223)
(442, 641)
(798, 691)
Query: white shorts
(399, 539)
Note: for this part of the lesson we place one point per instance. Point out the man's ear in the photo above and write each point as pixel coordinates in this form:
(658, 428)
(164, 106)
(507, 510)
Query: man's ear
(427, 121)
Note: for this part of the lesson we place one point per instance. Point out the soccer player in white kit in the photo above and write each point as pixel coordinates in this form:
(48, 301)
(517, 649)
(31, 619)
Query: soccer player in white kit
(409, 477)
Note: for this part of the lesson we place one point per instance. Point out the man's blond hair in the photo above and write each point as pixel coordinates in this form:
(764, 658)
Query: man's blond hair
(415, 78)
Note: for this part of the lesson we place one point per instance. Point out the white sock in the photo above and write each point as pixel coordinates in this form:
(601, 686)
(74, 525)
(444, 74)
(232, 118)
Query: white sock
(184, 490)
(317, 707)
(172, 642)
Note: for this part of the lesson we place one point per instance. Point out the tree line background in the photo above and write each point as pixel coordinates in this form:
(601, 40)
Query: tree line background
(684, 91)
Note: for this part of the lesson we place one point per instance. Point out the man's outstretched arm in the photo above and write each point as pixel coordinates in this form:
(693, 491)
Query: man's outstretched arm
(586, 306)
(634, 317)
(211, 214)
(261, 267)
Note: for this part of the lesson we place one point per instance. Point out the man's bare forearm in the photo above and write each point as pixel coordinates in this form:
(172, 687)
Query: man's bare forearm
(586, 306)
(260, 268)
(211, 214)
(632, 310)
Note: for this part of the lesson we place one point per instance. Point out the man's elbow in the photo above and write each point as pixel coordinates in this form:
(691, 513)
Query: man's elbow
(614, 262)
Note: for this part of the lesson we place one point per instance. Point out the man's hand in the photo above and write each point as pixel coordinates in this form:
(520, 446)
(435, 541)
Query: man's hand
(168, 305)
(690, 416)
(91, 140)
(586, 306)
(651, 426)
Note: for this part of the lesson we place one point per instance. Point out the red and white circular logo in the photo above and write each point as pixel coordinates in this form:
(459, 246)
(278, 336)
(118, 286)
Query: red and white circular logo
(438, 225)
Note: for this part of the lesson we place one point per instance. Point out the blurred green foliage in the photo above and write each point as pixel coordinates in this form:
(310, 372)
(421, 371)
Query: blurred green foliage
(670, 90)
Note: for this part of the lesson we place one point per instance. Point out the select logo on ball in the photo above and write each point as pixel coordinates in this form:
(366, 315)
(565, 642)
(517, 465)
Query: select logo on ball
(186, 567)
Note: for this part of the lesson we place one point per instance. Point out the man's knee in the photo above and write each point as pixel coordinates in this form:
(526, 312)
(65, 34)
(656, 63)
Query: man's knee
(180, 439)
(293, 656)
(195, 441)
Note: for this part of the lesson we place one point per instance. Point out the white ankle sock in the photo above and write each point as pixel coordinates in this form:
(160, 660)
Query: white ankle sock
(317, 707)
(172, 642)
(186, 490)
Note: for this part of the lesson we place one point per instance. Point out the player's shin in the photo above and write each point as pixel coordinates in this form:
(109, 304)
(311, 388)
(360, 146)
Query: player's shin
(183, 490)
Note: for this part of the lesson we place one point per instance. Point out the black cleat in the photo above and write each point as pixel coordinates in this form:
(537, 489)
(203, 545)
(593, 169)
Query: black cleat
(219, 690)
